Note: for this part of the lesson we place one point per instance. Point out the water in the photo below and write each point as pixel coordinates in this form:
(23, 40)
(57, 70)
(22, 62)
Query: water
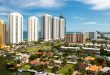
(5, 71)
(25, 35)
(107, 35)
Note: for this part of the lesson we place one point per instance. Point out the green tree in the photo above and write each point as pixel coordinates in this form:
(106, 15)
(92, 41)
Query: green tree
(36, 42)
(70, 71)
(33, 56)
(64, 62)
(93, 62)
(93, 41)
(87, 40)
(55, 69)
(102, 51)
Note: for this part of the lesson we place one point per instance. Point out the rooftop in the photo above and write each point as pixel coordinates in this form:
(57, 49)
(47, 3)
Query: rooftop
(94, 68)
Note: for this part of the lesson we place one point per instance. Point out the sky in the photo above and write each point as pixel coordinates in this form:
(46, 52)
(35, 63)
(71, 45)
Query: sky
(81, 15)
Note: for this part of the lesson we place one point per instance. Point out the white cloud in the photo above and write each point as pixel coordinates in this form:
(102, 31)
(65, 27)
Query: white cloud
(106, 24)
(43, 3)
(78, 18)
(38, 14)
(98, 4)
(34, 3)
(96, 23)
(18, 5)
(90, 23)
(4, 11)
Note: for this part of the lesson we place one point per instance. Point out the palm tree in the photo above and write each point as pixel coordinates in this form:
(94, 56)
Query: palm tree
(93, 41)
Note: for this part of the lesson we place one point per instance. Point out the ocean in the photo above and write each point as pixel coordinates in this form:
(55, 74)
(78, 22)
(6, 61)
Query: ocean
(25, 35)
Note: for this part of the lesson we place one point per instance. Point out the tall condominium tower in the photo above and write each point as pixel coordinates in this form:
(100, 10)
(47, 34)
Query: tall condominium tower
(2, 33)
(47, 27)
(55, 28)
(32, 28)
(62, 17)
(62, 28)
(15, 28)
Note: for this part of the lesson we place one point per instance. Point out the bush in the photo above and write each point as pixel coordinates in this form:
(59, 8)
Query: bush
(33, 56)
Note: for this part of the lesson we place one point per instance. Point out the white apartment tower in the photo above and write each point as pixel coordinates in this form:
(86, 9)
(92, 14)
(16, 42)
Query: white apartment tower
(32, 28)
(62, 28)
(55, 28)
(15, 28)
(47, 27)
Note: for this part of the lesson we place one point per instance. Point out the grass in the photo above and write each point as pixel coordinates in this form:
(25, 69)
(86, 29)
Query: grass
(36, 48)
(48, 70)
(25, 67)
(65, 69)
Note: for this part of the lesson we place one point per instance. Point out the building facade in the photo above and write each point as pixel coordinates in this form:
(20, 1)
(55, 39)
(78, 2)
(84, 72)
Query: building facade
(15, 28)
(90, 35)
(61, 28)
(62, 17)
(47, 27)
(33, 28)
(54, 28)
(2, 33)
(75, 38)
(70, 38)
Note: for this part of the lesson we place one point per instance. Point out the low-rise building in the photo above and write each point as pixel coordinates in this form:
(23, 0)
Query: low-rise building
(24, 58)
(89, 58)
(79, 37)
(90, 35)
(75, 37)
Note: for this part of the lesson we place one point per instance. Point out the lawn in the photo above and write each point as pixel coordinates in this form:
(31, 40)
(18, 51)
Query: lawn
(48, 70)
(25, 67)
(65, 69)
(36, 48)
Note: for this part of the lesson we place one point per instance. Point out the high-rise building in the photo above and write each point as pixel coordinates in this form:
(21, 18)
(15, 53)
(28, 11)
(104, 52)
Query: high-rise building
(90, 35)
(15, 28)
(32, 28)
(62, 17)
(2, 34)
(47, 27)
(62, 28)
(55, 28)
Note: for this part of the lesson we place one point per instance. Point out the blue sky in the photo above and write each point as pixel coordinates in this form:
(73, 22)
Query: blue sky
(81, 15)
